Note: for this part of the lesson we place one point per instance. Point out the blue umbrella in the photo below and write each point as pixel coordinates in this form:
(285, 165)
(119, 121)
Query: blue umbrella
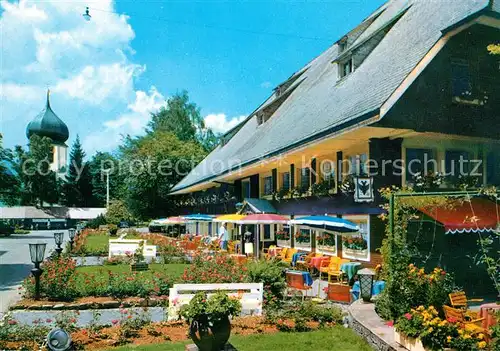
(198, 217)
(326, 223)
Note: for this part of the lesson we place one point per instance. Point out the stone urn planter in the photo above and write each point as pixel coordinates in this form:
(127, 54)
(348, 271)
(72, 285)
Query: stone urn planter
(208, 319)
(210, 336)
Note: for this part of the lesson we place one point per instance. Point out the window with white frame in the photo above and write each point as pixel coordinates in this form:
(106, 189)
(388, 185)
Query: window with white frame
(326, 242)
(346, 68)
(357, 246)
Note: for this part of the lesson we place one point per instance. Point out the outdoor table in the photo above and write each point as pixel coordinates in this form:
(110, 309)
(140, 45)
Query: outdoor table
(308, 280)
(487, 312)
(316, 261)
(350, 269)
(377, 288)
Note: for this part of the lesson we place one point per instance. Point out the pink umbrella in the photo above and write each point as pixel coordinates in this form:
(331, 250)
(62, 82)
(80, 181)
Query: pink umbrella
(264, 218)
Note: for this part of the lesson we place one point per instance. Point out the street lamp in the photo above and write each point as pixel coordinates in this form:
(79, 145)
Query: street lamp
(37, 252)
(72, 233)
(58, 237)
(87, 15)
(366, 276)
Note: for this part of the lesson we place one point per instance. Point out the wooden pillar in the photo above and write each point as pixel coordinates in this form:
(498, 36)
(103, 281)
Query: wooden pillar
(313, 171)
(275, 182)
(340, 167)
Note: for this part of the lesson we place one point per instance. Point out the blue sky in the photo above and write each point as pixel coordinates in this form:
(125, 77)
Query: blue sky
(106, 75)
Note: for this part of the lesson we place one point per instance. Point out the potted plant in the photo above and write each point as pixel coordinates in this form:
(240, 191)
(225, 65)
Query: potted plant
(138, 263)
(208, 318)
(283, 238)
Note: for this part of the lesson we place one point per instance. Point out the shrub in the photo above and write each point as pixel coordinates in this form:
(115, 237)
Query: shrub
(58, 280)
(137, 284)
(96, 222)
(304, 316)
(409, 286)
(219, 268)
(437, 333)
(270, 273)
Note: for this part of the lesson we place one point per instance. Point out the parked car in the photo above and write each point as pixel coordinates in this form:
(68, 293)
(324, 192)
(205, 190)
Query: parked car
(124, 224)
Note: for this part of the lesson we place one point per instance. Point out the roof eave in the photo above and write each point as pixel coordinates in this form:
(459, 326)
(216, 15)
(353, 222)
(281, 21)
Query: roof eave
(356, 123)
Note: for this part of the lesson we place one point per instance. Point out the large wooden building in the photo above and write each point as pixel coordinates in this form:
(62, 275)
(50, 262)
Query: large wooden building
(414, 82)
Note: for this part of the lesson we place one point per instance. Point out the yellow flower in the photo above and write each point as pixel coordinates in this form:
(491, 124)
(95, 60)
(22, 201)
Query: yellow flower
(430, 329)
(466, 336)
(480, 336)
(460, 331)
(448, 339)
(420, 308)
(481, 344)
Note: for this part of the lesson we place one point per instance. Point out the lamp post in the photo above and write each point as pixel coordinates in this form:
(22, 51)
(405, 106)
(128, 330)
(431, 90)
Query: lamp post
(37, 252)
(58, 237)
(366, 276)
(72, 233)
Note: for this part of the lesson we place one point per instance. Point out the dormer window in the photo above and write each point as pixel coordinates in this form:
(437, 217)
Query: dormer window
(260, 118)
(342, 44)
(346, 68)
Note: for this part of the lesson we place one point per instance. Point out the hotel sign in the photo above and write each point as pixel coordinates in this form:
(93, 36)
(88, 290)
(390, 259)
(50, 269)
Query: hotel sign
(363, 189)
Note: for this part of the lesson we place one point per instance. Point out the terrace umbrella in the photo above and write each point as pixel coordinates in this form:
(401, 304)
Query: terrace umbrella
(230, 218)
(262, 218)
(195, 218)
(327, 224)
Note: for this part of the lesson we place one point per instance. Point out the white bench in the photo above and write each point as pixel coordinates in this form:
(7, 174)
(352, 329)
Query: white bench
(120, 247)
(250, 294)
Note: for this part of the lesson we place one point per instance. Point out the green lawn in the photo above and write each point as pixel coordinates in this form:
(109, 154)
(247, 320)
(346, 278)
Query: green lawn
(99, 243)
(337, 338)
(101, 272)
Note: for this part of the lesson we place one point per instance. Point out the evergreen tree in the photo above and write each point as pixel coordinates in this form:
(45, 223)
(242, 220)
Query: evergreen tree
(77, 188)
(98, 165)
(9, 184)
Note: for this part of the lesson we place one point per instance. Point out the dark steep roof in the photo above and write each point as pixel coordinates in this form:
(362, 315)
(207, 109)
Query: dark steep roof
(47, 124)
(321, 104)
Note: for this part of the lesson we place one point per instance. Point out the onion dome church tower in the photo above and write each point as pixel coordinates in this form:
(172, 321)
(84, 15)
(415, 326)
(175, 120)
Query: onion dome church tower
(47, 124)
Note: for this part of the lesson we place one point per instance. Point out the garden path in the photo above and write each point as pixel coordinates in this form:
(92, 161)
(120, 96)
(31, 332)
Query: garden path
(15, 262)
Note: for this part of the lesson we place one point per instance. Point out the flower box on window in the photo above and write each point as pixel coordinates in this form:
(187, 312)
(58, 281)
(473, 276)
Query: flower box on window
(356, 254)
(331, 250)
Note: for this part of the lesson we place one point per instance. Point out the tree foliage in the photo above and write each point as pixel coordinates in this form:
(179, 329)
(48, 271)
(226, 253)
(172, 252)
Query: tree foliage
(494, 49)
(154, 163)
(38, 183)
(77, 188)
(182, 118)
(9, 184)
(100, 163)
(117, 212)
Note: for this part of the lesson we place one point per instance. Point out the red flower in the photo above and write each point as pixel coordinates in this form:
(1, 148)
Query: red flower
(452, 320)
(114, 321)
(390, 323)
(443, 273)
(13, 322)
(408, 316)
(48, 320)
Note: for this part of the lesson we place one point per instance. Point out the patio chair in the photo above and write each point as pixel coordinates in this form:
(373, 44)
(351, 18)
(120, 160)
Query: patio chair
(332, 263)
(459, 300)
(337, 272)
(282, 254)
(458, 314)
(289, 255)
(304, 261)
(267, 252)
(296, 282)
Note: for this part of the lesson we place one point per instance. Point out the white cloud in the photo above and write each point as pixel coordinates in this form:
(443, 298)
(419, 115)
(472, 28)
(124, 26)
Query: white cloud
(19, 92)
(98, 84)
(87, 65)
(133, 121)
(219, 122)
